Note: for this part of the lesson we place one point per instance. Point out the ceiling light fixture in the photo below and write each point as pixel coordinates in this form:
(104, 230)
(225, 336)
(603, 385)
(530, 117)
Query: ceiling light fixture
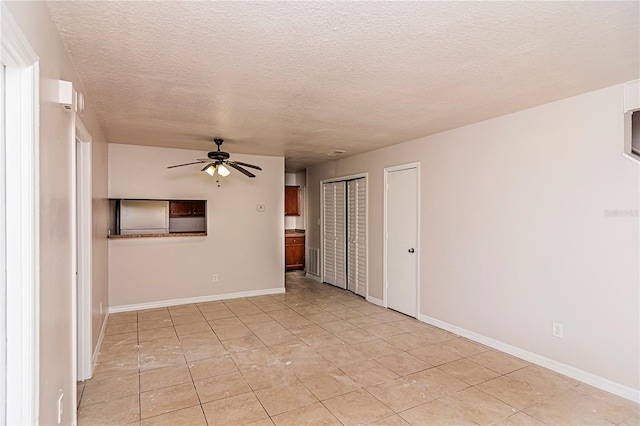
(219, 160)
(223, 171)
(209, 169)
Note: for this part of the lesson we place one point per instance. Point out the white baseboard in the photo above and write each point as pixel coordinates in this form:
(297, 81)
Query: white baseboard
(312, 276)
(200, 299)
(567, 370)
(96, 350)
(375, 301)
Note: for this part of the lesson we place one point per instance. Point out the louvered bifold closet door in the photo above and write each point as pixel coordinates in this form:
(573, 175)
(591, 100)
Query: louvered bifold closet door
(357, 236)
(333, 256)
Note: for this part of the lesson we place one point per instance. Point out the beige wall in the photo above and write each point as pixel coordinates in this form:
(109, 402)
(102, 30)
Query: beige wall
(243, 246)
(56, 332)
(515, 233)
(100, 248)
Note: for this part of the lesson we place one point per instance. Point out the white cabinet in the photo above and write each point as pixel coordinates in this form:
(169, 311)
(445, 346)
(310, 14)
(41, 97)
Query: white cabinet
(144, 217)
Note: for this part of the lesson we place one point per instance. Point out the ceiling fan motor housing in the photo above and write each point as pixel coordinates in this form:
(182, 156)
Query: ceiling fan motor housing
(218, 155)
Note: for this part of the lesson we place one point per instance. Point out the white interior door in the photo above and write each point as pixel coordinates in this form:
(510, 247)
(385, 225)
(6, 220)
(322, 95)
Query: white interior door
(333, 248)
(357, 236)
(401, 224)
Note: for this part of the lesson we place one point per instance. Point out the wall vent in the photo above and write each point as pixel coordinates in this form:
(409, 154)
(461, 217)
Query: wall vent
(313, 261)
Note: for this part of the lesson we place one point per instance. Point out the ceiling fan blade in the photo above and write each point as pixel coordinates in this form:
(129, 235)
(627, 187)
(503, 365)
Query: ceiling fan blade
(247, 165)
(186, 164)
(240, 169)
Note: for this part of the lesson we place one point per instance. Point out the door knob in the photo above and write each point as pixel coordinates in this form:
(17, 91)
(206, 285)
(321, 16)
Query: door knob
(411, 250)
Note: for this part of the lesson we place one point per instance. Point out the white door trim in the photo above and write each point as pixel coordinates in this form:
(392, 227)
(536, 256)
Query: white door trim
(82, 140)
(20, 211)
(388, 170)
(321, 233)
(344, 178)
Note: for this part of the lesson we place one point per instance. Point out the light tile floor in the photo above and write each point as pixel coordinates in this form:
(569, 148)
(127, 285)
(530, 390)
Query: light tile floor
(318, 355)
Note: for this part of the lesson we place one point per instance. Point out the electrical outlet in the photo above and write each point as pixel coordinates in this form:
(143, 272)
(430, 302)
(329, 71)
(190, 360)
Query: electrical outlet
(214, 279)
(60, 405)
(557, 330)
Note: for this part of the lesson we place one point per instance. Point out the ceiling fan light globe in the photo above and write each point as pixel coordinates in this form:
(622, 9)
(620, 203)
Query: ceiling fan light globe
(223, 171)
(210, 170)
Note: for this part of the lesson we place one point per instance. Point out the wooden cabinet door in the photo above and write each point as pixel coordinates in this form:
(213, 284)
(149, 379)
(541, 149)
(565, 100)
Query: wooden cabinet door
(179, 208)
(294, 253)
(292, 201)
(199, 208)
(183, 208)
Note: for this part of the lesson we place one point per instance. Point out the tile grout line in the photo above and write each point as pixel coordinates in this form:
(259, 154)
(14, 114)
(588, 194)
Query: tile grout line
(254, 391)
(195, 389)
(190, 374)
(192, 381)
(292, 306)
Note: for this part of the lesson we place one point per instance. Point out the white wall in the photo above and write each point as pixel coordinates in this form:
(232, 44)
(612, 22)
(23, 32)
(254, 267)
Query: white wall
(243, 246)
(515, 234)
(56, 275)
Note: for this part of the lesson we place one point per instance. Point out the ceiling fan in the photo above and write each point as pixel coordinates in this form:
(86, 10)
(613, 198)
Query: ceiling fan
(217, 161)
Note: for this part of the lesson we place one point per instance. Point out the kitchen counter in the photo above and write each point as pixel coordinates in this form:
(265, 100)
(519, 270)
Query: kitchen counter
(294, 232)
(174, 234)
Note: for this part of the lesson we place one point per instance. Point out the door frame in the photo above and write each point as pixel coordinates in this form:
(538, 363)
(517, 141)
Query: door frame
(387, 170)
(340, 179)
(84, 349)
(20, 206)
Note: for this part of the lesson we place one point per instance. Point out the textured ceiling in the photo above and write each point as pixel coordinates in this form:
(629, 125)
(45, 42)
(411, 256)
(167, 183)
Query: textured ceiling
(301, 79)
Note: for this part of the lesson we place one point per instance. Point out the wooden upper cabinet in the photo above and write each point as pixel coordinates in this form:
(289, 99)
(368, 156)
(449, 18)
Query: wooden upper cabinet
(184, 208)
(179, 208)
(199, 207)
(292, 201)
